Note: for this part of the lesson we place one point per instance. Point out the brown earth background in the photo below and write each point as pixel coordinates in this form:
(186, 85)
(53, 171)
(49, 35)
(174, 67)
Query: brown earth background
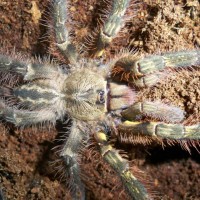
(158, 26)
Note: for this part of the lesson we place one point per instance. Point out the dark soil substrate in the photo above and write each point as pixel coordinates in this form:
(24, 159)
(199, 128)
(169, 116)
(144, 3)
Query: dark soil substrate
(26, 156)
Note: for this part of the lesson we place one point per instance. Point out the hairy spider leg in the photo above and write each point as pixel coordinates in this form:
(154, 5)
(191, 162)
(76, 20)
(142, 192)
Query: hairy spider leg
(134, 187)
(69, 155)
(62, 34)
(157, 110)
(162, 130)
(24, 118)
(2, 194)
(146, 70)
(115, 20)
(27, 69)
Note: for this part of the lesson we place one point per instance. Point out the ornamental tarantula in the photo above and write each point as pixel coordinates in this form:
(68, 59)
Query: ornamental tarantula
(97, 105)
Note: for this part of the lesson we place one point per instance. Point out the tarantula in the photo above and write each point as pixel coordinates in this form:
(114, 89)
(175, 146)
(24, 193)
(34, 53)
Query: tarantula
(97, 105)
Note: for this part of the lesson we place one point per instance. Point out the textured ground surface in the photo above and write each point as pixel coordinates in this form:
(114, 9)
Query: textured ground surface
(25, 156)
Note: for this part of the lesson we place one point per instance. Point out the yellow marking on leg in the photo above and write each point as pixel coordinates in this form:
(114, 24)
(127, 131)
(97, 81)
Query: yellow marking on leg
(121, 167)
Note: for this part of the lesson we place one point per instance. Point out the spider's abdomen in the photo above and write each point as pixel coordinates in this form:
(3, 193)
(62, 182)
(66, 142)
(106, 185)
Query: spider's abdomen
(37, 96)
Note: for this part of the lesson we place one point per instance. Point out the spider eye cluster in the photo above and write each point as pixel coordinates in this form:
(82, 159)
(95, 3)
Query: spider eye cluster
(101, 97)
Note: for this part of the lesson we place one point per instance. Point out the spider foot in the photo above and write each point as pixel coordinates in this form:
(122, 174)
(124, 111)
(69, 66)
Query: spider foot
(77, 187)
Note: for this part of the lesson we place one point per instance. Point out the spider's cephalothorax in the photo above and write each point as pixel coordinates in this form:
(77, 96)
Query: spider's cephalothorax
(85, 92)
(89, 96)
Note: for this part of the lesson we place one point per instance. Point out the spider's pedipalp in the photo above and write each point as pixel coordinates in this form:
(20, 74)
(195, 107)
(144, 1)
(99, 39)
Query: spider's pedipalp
(156, 110)
(69, 155)
(62, 35)
(134, 187)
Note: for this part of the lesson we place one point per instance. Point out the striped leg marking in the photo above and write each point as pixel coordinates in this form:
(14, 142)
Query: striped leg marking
(115, 21)
(136, 189)
(28, 70)
(69, 155)
(25, 117)
(62, 37)
(163, 130)
(147, 70)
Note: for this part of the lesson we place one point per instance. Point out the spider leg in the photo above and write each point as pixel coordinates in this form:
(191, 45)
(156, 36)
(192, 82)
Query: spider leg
(2, 197)
(136, 189)
(146, 70)
(69, 155)
(114, 22)
(62, 35)
(27, 69)
(162, 130)
(25, 117)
